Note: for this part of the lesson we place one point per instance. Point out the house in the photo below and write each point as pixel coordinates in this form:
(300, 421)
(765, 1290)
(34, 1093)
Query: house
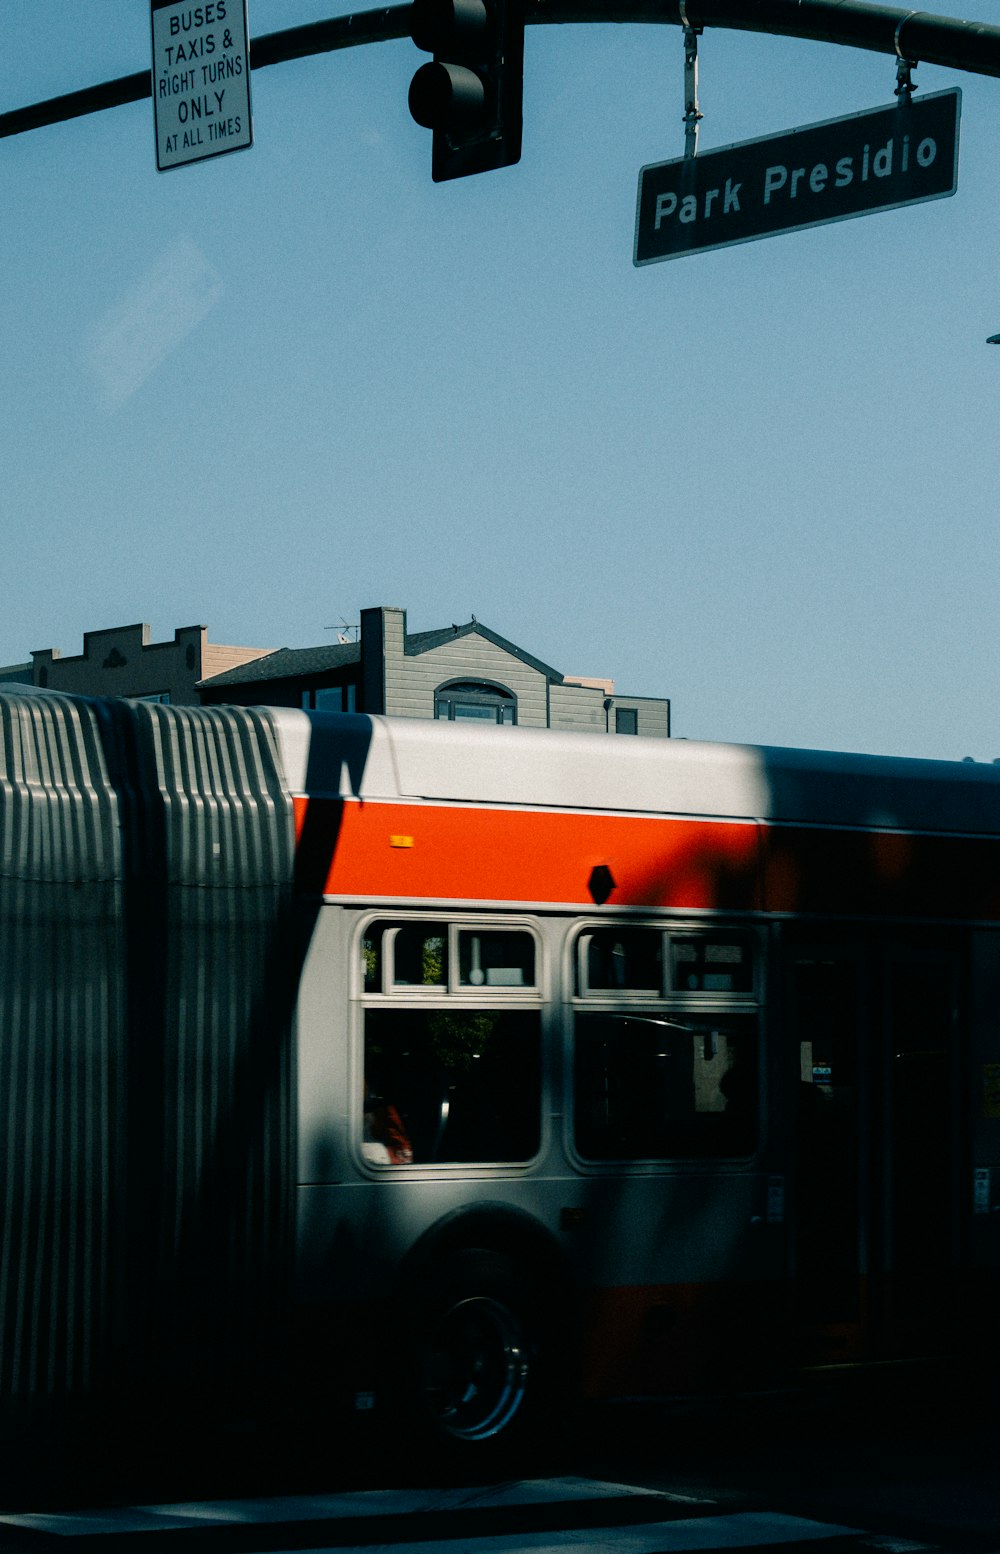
(460, 672)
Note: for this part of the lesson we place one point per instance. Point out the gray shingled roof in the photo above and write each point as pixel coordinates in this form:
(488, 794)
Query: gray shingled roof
(418, 642)
(296, 663)
(289, 664)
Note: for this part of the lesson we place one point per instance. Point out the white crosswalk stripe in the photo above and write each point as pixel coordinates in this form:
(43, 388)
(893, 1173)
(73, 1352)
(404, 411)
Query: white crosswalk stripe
(337, 1507)
(742, 1531)
(687, 1524)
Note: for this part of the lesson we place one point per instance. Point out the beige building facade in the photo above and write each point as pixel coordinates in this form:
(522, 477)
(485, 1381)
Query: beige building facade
(122, 661)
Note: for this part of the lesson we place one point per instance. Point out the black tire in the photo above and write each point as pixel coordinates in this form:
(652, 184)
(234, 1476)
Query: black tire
(481, 1366)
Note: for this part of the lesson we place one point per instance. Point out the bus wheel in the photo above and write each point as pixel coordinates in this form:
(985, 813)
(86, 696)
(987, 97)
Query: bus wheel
(478, 1361)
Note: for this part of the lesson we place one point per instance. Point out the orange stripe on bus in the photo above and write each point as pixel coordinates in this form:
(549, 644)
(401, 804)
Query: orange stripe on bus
(436, 852)
(885, 873)
(349, 848)
(658, 1340)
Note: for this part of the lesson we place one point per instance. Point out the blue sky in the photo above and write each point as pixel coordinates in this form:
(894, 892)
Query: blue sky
(263, 392)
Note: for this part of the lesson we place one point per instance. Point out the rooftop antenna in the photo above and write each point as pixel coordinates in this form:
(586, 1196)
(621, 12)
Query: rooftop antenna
(344, 631)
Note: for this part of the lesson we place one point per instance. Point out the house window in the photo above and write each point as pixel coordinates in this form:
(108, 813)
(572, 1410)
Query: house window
(330, 698)
(626, 720)
(475, 701)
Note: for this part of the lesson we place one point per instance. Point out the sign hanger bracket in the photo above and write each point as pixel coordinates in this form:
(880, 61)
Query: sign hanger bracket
(692, 113)
(905, 84)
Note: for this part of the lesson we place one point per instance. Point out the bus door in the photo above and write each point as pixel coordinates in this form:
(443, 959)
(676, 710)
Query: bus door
(829, 1191)
(877, 1154)
(925, 1165)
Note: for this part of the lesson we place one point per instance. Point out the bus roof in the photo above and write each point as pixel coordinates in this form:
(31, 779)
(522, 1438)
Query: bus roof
(416, 759)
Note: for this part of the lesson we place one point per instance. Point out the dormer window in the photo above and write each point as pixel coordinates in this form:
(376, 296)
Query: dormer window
(476, 701)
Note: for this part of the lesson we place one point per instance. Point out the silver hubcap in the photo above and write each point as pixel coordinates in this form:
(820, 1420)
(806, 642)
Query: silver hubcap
(476, 1374)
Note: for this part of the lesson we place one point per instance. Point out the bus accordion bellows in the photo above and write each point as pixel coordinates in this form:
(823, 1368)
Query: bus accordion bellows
(466, 1070)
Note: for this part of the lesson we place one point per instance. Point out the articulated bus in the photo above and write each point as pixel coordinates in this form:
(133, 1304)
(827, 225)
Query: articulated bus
(466, 1071)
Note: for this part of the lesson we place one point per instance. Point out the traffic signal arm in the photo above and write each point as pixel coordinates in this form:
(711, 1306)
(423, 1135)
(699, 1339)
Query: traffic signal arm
(934, 40)
(884, 29)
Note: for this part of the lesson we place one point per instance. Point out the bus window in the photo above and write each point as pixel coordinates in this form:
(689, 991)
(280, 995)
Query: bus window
(464, 1084)
(623, 960)
(705, 963)
(654, 1087)
(371, 959)
(495, 958)
(420, 955)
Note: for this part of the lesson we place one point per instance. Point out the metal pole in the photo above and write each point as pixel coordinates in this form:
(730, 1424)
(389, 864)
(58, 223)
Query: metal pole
(338, 32)
(936, 40)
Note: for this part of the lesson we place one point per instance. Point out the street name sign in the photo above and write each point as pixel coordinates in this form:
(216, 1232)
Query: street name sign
(877, 160)
(201, 80)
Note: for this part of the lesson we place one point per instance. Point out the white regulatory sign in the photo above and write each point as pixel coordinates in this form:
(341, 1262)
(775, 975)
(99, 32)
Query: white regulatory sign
(201, 80)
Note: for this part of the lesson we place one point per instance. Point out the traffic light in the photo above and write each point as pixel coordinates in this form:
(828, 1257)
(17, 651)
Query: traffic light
(471, 95)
